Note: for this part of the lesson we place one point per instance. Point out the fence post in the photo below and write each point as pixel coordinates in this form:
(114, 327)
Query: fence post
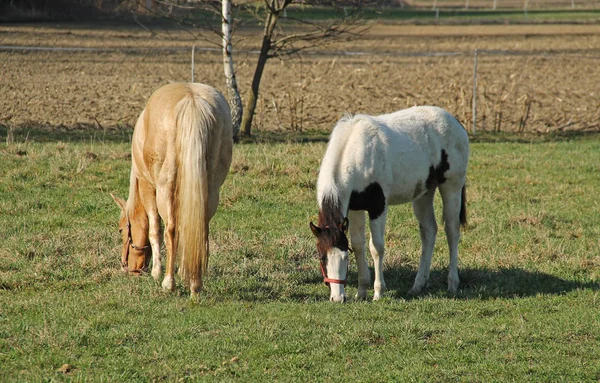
(474, 92)
(193, 60)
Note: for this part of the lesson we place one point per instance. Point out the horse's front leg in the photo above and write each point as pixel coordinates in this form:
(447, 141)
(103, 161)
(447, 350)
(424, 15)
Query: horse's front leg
(148, 196)
(423, 209)
(358, 240)
(377, 247)
(165, 204)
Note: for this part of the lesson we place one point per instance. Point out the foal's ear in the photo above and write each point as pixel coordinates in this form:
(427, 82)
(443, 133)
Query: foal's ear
(344, 225)
(315, 229)
(120, 201)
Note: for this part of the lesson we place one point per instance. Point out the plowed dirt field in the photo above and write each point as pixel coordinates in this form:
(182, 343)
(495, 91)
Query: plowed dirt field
(539, 78)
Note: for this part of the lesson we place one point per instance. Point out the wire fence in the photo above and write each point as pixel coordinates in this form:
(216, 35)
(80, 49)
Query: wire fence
(489, 90)
(508, 4)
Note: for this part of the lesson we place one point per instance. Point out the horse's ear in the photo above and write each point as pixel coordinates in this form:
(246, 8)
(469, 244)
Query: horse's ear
(315, 229)
(344, 225)
(120, 201)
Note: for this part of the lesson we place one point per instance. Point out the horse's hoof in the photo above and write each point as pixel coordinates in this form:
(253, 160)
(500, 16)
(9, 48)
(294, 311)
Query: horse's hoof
(156, 273)
(168, 284)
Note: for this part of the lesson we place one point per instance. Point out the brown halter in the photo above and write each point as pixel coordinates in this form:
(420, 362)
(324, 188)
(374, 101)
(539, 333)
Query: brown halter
(125, 263)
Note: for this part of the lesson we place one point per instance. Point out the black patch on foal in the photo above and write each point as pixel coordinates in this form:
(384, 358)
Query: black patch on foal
(371, 199)
(436, 174)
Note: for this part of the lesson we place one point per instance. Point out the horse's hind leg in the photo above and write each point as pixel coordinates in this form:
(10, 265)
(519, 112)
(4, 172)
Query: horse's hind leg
(377, 247)
(452, 198)
(423, 209)
(359, 241)
(148, 195)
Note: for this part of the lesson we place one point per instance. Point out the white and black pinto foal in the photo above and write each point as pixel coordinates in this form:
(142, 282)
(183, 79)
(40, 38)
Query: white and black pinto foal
(372, 162)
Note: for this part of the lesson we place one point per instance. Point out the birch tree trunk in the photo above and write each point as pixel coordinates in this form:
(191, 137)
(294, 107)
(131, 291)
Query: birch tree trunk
(233, 94)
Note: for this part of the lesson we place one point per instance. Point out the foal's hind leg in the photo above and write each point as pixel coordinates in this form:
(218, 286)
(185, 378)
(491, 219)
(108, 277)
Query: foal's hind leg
(451, 197)
(377, 247)
(423, 209)
(358, 239)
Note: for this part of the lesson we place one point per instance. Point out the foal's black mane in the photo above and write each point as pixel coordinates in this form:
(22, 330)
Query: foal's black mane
(330, 213)
(331, 220)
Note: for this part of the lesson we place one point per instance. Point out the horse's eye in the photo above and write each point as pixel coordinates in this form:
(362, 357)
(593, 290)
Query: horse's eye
(120, 230)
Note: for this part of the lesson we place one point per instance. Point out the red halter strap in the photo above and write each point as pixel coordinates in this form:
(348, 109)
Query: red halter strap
(327, 280)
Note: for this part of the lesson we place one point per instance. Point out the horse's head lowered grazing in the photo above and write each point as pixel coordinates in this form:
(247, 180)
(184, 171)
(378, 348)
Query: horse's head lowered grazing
(135, 255)
(333, 249)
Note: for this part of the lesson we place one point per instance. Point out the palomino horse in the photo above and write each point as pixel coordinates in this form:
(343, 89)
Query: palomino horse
(181, 153)
(375, 161)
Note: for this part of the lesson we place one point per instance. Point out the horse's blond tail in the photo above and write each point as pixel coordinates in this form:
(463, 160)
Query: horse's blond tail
(194, 117)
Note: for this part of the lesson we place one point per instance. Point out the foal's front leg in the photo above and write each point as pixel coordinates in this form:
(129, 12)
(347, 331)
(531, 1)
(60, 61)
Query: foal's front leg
(451, 197)
(358, 240)
(377, 247)
(423, 209)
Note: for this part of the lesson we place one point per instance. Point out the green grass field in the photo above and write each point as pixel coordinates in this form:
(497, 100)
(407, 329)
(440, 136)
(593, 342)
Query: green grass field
(527, 310)
(455, 15)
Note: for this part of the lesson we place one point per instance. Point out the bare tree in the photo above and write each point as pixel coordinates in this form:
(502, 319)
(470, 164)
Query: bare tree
(277, 40)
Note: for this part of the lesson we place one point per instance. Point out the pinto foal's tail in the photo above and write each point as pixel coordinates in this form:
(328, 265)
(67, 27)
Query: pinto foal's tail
(463, 207)
(194, 117)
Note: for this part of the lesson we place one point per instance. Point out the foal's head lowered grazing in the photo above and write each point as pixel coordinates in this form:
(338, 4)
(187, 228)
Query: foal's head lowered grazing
(333, 249)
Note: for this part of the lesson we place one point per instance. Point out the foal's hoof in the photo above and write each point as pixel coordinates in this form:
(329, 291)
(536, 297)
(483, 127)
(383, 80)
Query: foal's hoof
(453, 286)
(379, 293)
(415, 292)
(452, 291)
(361, 295)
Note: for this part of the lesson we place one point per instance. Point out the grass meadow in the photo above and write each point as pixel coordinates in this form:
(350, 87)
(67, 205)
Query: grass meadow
(527, 309)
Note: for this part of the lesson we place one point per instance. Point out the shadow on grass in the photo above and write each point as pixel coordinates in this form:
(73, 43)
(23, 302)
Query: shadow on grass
(84, 132)
(34, 132)
(61, 133)
(485, 283)
(475, 283)
(532, 137)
